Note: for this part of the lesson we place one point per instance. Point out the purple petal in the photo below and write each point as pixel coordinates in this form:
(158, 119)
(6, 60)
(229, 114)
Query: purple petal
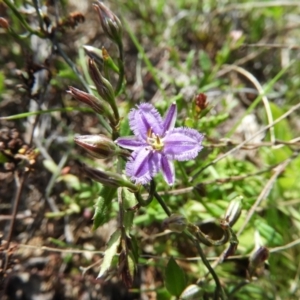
(168, 170)
(143, 165)
(144, 118)
(182, 143)
(170, 118)
(130, 142)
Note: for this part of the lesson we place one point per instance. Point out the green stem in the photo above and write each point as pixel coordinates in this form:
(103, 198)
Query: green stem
(37, 9)
(121, 69)
(22, 20)
(146, 202)
(219, 289)
(71, 64)
(185, 178)
(162, 204)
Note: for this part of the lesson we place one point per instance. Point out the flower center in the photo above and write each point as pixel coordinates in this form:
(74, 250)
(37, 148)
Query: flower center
(154, 141)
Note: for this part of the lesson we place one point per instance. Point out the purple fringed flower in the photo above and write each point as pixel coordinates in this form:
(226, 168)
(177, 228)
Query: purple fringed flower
(156, 143)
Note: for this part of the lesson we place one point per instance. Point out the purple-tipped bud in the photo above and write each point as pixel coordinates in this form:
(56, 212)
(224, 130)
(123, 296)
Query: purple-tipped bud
(98, 145)
(109, 178)
(257, 261)
(176, 223)
(110, 22)
(96, 104)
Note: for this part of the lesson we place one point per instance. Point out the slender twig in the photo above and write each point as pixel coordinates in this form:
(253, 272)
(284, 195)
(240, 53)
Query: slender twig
(85, 269)
(271, 45)
(285, 247)
(262, 95)
(258, 4)
(252, 146)
(277, 171)
(22, 20)
(71, 64)
(290, 111)
(20, 185)
(266, 190)
(46, 111)
(56, 173)
(218, 181)
(196, 258)
(37, 9)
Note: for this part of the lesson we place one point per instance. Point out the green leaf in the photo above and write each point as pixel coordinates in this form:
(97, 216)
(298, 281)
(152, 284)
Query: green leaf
(134, 248)
(131, 264)
(50, 166)
(110, 252)
(268, 232)
(103, 206)
(175, 281)
(102, 211)
(129, 201)
(283, 130)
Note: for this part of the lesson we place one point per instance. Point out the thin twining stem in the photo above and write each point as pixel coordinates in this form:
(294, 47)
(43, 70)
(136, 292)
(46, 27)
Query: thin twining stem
(219, 289)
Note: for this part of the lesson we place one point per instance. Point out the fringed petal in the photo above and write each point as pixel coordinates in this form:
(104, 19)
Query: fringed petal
(143, 165)
(170, 118)
(167, 167)
(130, 142)
(143, 119)
(182, 144)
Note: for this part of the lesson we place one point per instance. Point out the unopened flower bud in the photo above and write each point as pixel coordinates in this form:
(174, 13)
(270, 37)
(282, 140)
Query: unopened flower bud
(233, 211)
(110, 22)
(191, 292)
(109, 178)
(96, 104)
(176, 223)
(257, 260)
(103, 86)
(200, 102)
(97, 145)
(94, 53)
(109, 61)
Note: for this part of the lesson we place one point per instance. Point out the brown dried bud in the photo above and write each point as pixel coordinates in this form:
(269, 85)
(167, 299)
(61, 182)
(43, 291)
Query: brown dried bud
(257, 261)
